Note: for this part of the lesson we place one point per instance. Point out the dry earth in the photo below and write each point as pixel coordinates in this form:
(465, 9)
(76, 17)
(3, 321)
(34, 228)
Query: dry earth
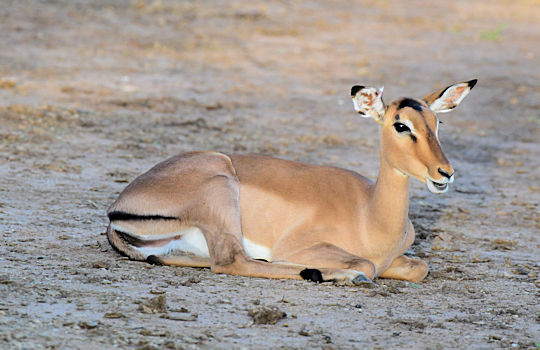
(93, 93)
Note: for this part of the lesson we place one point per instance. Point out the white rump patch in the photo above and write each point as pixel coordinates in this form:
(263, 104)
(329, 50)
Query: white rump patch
(257, 251)
(191, 241)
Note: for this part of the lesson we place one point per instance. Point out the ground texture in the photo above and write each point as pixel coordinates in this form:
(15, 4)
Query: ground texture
(94, 93)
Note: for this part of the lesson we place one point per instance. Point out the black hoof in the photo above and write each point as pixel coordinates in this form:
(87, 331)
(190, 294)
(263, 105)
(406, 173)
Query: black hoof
(313, 275)
(154, 260)
(362, 279)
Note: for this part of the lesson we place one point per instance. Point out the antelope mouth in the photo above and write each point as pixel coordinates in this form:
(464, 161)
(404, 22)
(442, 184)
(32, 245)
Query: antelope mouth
(436, 187)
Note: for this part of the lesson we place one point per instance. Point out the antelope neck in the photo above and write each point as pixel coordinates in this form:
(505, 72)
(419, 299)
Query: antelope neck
(389, 207)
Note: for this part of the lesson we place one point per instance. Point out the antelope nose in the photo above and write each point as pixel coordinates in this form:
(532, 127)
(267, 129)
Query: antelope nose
(445, 174)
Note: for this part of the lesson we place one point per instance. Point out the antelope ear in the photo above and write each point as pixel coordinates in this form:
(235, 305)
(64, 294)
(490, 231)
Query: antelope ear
(368, 102)
(445, 100)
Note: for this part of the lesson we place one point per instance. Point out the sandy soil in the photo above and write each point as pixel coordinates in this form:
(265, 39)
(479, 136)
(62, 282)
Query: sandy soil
(94, 93)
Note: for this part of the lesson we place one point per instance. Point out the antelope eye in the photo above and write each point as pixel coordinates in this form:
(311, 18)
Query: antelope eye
(400, 127)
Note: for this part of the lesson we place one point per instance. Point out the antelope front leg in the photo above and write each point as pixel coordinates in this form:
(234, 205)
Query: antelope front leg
(326, 256)
(404, 268)
(230, 258)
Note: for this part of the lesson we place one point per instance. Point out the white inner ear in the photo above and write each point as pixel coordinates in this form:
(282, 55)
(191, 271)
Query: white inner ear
(378, 106)
(370, 105)
(357, 107)
(448, 101)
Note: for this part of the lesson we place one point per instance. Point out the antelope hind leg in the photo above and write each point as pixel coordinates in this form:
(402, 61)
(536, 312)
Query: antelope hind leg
(179, 260)
(404, 268)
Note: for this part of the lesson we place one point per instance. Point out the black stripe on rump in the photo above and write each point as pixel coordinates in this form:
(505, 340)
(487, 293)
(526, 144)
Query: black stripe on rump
(136, 242)
(120, 215)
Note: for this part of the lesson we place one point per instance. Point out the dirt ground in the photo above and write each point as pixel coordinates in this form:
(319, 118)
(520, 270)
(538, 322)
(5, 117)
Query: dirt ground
(93, 93)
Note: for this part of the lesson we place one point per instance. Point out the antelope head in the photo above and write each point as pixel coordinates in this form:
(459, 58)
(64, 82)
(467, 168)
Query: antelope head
(410, 131)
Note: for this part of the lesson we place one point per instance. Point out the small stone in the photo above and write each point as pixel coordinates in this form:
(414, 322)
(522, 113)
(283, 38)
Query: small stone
(520, 270)
(438, 244)
(88, 324)
(478, 259)
(7, 83)
(421, 253)
(157, 291)
(181, 317)
(190, 281)
(145, 332)
(154, 305)
(327, 339)
(145, 309)
(101, 265)
(169, 345)
(463, 210)
(182, 310)
(504, 244)
(266, 315)
(304, 332)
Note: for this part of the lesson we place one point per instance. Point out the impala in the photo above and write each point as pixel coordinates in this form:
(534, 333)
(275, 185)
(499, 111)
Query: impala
(267, 217)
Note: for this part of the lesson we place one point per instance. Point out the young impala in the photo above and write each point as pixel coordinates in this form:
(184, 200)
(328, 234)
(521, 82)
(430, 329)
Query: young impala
(267, 217)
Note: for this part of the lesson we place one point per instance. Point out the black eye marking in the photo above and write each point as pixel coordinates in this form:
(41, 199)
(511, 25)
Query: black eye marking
(400, 127)
(397, 117)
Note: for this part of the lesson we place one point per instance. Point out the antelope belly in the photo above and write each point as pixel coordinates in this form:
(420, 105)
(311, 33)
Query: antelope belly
(257, 251)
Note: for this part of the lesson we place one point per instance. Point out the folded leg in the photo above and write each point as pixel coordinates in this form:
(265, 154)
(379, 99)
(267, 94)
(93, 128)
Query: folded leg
(326, 255)
(408, 269)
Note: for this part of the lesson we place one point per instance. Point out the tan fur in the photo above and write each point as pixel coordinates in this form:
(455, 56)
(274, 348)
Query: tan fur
(312, 216)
